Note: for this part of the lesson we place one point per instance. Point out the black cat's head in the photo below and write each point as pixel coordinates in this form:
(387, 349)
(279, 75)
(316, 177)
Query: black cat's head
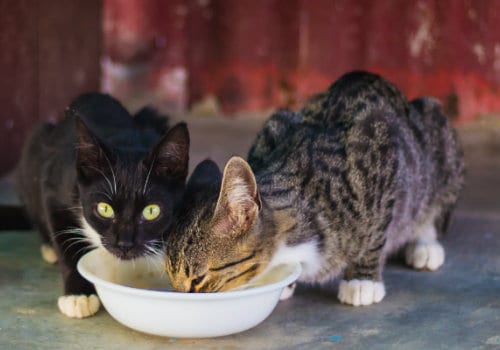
(128, 198)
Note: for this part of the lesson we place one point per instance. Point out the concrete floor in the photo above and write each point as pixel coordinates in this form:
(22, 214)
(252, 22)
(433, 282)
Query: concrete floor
(457, 307)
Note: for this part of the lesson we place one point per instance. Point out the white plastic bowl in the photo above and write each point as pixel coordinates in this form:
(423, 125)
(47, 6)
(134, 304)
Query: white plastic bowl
(137, 294)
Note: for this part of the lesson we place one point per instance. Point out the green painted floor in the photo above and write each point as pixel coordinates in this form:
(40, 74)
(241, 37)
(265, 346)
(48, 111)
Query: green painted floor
(457, 307)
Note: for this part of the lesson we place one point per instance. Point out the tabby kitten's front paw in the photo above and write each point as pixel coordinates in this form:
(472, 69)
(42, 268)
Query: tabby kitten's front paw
(425, 255)
(361, 292)
(78, 306)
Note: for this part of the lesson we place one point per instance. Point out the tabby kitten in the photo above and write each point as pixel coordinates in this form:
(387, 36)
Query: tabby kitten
(101, 177)
(357, 174)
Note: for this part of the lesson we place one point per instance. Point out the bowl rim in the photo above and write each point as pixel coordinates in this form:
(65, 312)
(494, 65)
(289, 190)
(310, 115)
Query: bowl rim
(97, 281)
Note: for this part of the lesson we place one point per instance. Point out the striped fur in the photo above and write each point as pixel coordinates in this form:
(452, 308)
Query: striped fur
(355, 175)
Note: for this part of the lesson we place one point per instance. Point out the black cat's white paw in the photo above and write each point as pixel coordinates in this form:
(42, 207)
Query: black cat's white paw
(425, 255)
(48, 253)
(361, 292)
(78, 306)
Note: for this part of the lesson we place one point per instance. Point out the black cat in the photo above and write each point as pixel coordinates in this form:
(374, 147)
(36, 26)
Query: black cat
(101, 177)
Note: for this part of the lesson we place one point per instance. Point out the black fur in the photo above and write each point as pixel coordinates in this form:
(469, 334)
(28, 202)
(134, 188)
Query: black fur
(100, 153)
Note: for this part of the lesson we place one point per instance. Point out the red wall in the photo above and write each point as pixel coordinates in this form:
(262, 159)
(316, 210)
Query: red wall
(256, 54)
(50, 52)
(248, 54)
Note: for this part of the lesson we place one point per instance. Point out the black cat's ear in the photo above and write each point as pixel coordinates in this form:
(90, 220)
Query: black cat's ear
(170, 157)
(205, 173)
(239, 200)
(91, 155)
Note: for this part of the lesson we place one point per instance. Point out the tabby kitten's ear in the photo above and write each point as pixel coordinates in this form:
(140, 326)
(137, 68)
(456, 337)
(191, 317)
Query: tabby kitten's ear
(91, 154)
(239, 200)
(170, 157)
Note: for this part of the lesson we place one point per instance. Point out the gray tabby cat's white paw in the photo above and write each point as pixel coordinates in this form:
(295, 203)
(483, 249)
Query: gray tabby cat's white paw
(428, 255)
(78, 306)
(288, 291)
(361, 292)
(48, 253)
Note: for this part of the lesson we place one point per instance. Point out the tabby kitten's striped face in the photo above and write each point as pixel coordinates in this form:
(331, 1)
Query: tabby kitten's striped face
(213, 245)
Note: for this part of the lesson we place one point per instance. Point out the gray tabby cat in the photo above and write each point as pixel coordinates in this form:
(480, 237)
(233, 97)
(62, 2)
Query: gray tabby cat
(357, 174)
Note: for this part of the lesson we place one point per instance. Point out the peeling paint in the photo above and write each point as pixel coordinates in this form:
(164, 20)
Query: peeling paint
(448, 50)
(480, 53)
(172, 88)
(422, 40)
(472, 14)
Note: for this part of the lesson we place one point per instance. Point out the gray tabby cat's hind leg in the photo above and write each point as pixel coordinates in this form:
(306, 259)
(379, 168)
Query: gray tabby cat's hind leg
(362, 283)
(424, 252)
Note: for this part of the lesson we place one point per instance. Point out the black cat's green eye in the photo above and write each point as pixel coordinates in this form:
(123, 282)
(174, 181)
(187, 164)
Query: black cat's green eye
(151, 212)
(105, 210)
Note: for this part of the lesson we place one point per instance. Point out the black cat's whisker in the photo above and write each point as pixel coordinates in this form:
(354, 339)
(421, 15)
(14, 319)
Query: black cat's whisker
(103, 175)
(147, 176)
(72, 230)
(149, 249)
(112, 173)
(156, 243)
(103, 193)
(153, 251)
(148, 263)
(156, 262)
(75, 241)
(151, 263)
(81, 250)
(154, 248)
(74, 208)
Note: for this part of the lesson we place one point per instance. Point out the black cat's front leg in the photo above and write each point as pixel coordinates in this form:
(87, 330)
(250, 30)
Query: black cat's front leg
(362, 283)
(79, 299)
